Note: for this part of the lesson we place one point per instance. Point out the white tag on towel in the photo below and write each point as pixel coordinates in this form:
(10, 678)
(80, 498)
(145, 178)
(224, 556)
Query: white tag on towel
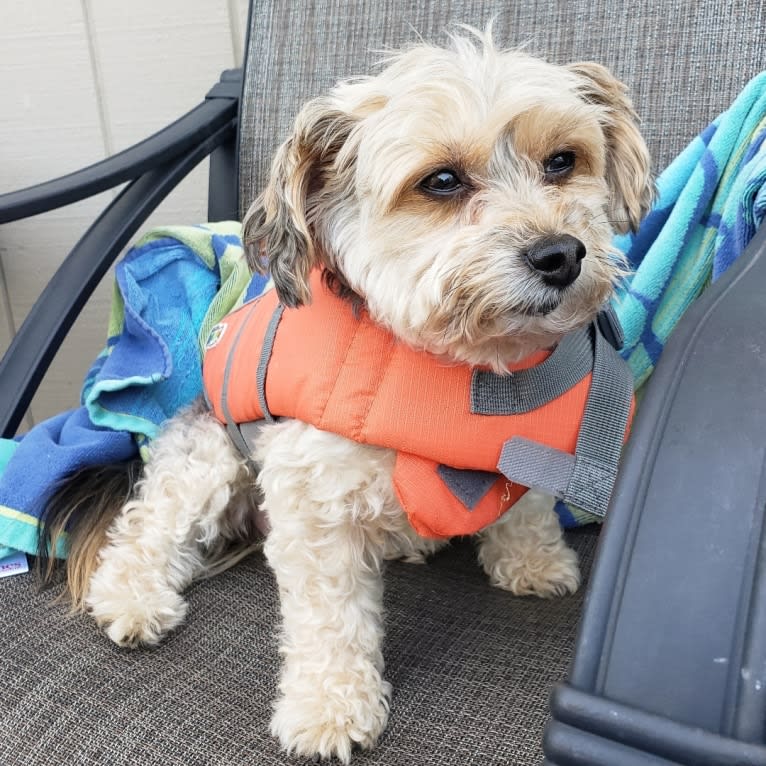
(14, 564)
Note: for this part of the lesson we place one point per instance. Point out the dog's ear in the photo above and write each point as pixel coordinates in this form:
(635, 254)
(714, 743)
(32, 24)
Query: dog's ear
(277, 228)
(628, 164)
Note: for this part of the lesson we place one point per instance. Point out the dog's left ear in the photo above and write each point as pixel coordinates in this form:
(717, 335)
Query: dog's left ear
(628, 164)
(277, 228)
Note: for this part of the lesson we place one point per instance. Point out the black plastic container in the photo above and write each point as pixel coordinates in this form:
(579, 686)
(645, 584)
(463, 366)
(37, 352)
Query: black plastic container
(670, 663)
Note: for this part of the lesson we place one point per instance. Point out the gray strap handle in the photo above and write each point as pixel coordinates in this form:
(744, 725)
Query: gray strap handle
(243, 434)
(526, 390)
(585, 479)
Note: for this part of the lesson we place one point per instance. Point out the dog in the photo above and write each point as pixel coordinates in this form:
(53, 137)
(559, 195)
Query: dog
(464, 199)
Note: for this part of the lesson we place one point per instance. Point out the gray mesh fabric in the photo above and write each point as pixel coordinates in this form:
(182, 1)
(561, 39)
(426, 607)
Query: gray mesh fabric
(684, 60)
(471, 667)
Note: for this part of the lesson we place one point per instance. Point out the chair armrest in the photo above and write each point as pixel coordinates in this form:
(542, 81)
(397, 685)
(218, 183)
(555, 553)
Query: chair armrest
(218, 109)
(674, 628)
(154, 167)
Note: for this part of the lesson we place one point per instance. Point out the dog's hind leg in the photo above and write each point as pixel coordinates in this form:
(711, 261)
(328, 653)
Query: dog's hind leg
(164, 534)
(525, 552)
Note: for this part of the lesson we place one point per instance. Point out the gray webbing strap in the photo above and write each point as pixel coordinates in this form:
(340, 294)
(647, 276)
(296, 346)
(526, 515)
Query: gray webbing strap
(611, 329)
(585, 479)
(263, 362)
(536, 466)
(526, 390)
(249, 432)
(231, 426)
(233, 429)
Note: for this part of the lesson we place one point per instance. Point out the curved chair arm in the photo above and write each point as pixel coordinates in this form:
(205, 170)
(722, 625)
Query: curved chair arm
(154, 167)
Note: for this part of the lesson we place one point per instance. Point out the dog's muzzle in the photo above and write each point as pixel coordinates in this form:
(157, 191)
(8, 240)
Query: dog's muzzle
(556, 259)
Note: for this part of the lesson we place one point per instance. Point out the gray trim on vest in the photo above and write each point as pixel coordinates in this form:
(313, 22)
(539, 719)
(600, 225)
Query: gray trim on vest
(207, 398)
(526, 390)
(249, 432)
(263, 362)
(587, 478)
(601, 437)
(466, 485)
(611, 329)
(536, 465)
(243, 434)
(231, 427)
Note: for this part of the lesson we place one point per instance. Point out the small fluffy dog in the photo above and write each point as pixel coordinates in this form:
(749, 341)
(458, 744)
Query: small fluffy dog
(423, 193)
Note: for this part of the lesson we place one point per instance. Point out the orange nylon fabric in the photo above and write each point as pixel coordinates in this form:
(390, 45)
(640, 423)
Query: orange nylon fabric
(343, 373)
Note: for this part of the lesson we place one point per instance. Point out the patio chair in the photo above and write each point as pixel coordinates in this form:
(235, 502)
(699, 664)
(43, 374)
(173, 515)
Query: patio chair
(670, 664)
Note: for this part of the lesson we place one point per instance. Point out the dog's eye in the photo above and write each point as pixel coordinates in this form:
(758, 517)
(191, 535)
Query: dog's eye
(443, 183)
(559, 165)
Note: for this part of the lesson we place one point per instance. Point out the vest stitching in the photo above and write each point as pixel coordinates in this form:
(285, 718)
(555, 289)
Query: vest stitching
(386, 368)
(337, 376)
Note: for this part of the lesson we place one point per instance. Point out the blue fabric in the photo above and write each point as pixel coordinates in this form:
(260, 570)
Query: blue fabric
(49, 451)
(166, 295)
(170, 289)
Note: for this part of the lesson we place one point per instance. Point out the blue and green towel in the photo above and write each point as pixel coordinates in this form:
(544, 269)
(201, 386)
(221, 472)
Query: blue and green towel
(711, 200)
(170, 289)
(176, 283)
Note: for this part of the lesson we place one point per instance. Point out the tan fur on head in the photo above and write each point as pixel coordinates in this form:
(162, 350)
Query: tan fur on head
(628, 162)
(450, 274)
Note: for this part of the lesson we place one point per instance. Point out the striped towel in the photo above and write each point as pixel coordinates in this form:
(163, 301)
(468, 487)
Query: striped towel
(711, 200)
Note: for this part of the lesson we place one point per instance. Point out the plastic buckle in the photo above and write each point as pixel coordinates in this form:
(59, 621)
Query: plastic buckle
(610, 327)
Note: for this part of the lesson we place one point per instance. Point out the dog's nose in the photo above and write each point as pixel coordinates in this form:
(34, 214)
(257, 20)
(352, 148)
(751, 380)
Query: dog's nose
(556, 259)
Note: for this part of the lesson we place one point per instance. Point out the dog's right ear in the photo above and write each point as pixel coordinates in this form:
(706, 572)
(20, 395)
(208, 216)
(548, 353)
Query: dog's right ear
(277, 228)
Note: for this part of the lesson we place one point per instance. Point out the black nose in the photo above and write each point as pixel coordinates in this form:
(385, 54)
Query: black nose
(557, 259)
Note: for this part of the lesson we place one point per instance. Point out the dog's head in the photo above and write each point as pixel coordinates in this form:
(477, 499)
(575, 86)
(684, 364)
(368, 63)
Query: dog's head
(467, 196)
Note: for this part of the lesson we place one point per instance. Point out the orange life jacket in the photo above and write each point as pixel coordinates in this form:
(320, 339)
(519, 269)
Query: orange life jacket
(332, 367)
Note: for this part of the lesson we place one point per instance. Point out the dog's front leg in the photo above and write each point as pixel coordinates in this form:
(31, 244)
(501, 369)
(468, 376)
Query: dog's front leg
(329, 503)
(160, 539)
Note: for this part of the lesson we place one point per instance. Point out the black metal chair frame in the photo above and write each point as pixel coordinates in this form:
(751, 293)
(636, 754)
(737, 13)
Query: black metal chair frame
(152, 169)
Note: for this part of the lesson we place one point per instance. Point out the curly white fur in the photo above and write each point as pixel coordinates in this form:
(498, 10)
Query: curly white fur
(163, 536)
(346, 194)
(334, 518)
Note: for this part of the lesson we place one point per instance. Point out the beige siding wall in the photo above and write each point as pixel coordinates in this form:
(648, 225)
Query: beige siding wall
(79, 81)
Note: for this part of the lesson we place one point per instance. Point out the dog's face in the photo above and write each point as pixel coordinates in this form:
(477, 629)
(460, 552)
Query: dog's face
(468, 196)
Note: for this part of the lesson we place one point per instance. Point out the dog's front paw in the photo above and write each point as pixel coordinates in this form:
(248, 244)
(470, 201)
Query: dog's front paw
(547, 571)
(132, 618)
(329, 716)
